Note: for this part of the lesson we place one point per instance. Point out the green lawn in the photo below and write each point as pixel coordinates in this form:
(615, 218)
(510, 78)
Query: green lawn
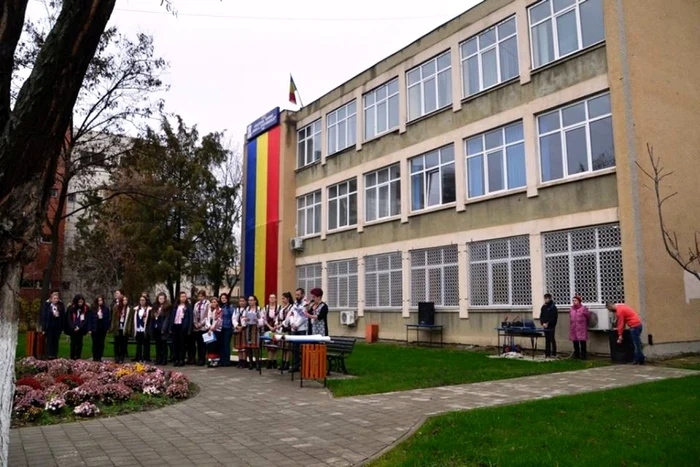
(389, 367)
(64, 346)
(652, 424)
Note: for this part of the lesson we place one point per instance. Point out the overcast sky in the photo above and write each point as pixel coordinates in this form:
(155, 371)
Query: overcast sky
(230, 60)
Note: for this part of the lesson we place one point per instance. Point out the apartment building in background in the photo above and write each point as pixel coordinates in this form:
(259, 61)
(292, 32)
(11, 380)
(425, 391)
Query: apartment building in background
(491, 161)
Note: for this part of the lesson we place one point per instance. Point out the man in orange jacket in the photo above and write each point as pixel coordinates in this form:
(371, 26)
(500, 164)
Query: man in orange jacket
(626, 315)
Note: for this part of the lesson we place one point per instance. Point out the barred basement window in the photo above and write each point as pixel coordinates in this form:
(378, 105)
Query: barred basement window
(435, 276)
(342, 284)
(500, 272)
(383, 281)
(584, 261)
(309, 276)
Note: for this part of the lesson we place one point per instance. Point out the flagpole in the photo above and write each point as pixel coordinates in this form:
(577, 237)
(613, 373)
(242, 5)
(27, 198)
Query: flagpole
(301, 104)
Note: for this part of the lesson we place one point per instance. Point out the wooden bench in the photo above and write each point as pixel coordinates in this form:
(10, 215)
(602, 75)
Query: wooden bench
(337, 349)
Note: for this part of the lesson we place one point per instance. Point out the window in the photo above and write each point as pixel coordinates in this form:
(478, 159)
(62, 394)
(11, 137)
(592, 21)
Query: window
(383, 281)
(71, 197)
(383, 193)
(309, 149)
(309, 276)
(429, 86)
(342, 283)
(342, 204)
(435, 276)
(489, 58)
(433, 178)
(500, 272)
(382, 109)
(309, 214)
(54, 193)
(45, 238)
(561, 27)
(341, 128)
(576, 139)
(585, 261)
(496, 161)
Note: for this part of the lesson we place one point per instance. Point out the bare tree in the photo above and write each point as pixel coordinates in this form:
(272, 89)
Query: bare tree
(690, 261)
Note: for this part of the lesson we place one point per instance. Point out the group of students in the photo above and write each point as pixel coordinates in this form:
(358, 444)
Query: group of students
(189, 331)
(579, 316)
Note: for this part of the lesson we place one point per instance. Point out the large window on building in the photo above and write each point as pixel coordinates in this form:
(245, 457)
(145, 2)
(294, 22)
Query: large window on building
(342, 204)
(383, 193)
(309, 214)
(382, 109)
(490, 57)
(309, 276)
(341, 127)
(342, 284)
(433, 178)
(383, 281)
(496, 161)
(584, 261)
(561, 27)
(577, 138)
(435, 276)
(499, 272)
(309, 144)
(429, 86)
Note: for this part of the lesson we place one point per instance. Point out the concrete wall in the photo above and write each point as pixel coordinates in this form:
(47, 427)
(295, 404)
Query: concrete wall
(652, 50)
(478, 329)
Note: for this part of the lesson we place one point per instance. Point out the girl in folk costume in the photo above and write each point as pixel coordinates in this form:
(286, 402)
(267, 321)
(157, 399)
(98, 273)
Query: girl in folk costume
(138, 325)
(227, 325)
(215, 321)
(317, 313)
(239, 334)
(77, 325)
(251, 329)
(53, 317)
(285, 327)
(160, 328)
(271, 322)
(120, 316)
(99, 325)
(180, 327)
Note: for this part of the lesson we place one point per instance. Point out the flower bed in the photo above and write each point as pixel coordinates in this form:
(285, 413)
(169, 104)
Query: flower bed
(48, 392)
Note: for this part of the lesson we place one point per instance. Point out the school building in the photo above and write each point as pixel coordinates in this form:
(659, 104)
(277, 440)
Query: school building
(492, 160)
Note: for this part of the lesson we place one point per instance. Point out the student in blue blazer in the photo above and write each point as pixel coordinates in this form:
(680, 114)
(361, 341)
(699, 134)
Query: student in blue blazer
(98, 325)
(180, 328)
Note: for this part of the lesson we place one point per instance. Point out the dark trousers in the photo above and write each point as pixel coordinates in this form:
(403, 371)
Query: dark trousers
(76, 345)
(147, 347)
(52, 338)
(550, 342)
(180, 336)
(296, 354)
(140, 342)
(98, 345)
(120, 341)
(580, 350)
(197, 349)
(161, 347)
(225, 346)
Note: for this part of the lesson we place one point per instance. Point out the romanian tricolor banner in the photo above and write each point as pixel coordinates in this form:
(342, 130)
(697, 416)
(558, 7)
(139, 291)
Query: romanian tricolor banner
(261, 206)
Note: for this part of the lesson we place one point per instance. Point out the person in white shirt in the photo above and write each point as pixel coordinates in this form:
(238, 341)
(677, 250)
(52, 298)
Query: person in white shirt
(121, 314)
(251, 329)
(139, 324)
(301, 322)
(239, 340)
(285, 326)
(271, 322)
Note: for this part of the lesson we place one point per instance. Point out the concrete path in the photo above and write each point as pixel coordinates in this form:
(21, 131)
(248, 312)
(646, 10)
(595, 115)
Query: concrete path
(242, 419)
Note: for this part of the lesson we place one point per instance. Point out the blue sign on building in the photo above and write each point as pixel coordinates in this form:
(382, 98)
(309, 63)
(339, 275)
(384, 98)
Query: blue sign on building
(264, 123)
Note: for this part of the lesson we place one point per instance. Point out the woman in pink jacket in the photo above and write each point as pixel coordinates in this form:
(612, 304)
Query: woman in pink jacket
(578, 327)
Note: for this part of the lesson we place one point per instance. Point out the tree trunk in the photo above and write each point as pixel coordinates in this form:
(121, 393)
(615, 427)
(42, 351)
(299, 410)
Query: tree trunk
(9, 280)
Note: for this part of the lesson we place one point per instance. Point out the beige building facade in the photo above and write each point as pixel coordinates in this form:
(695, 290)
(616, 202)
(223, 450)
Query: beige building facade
(496, 159)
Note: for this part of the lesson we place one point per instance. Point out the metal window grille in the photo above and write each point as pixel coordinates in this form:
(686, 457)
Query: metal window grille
(584, 261)
(383, 281)
(342, 283)
(435, 276)
(500, 272)
(309, 276)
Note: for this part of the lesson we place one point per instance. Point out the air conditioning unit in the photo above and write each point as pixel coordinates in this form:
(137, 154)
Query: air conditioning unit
(347, 317)
(603, 322)
(296, 244)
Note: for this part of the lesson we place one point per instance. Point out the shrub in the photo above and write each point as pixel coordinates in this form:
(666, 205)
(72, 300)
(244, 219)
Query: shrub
(72, 381)
(116, 392)
(55, 405)
(89, 376)
(151, 390)
(177, 377)
(86, 409)
(45, 379)
(59, 367)
(178, 391)
(57, 390)
(74, 397)
(155, 380)
(29, 381)
(134, 381)
(33, 398)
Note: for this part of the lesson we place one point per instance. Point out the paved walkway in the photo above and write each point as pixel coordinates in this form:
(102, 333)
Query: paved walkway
(242, 419)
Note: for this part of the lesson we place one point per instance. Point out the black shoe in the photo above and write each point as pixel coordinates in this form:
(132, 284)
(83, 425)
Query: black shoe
(269, 365)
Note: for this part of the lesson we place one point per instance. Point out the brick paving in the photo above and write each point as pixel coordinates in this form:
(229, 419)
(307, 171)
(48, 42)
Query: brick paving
(240, 418)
